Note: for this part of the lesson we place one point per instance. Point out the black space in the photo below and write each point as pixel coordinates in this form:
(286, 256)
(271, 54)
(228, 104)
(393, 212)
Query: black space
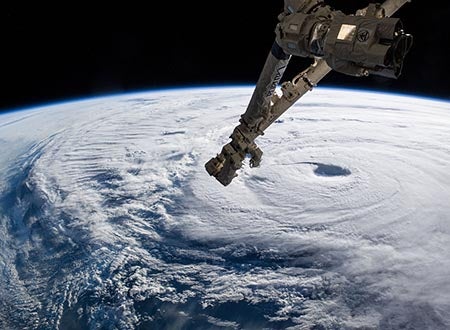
(73, 50)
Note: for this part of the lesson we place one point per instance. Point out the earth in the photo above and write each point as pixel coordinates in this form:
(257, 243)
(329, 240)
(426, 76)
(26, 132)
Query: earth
(108, 219)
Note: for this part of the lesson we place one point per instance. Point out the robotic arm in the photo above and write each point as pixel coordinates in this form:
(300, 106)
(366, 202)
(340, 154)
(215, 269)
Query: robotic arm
(369, 42)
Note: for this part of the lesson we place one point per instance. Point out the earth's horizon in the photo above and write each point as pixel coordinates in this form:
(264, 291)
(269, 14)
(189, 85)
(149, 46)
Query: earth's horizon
(108, 218)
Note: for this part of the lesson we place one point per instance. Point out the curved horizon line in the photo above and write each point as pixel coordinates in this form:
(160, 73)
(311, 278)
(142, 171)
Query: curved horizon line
(203, 87)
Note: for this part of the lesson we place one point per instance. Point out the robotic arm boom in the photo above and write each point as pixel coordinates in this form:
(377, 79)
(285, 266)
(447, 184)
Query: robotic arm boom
(366, 43)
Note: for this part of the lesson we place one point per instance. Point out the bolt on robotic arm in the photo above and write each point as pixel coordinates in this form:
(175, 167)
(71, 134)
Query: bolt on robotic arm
(369, 42)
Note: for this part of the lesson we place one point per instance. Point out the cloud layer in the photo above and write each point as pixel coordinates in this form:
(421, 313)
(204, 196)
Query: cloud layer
(109, 218)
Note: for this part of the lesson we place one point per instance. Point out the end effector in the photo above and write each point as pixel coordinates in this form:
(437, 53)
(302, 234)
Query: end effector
(225, 165)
